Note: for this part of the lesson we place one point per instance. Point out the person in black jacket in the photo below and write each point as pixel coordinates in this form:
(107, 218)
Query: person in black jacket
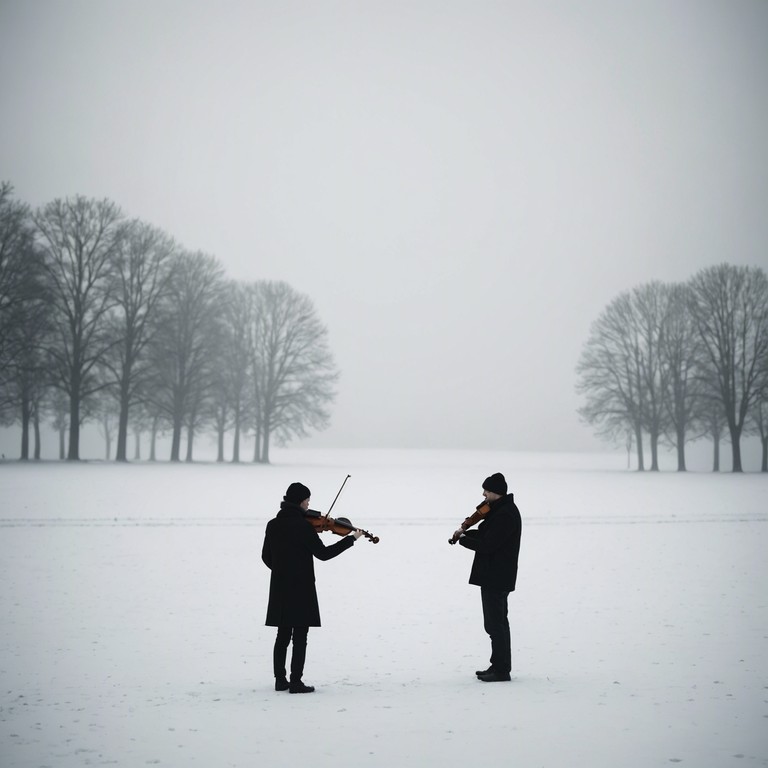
(496, 544)
(290, 544)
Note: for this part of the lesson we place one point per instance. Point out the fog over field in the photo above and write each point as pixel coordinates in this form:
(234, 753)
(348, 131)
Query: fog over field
(460, 188)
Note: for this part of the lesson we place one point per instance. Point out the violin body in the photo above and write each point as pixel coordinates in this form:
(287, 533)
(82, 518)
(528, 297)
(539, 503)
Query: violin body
(480, 512)
(341, 526)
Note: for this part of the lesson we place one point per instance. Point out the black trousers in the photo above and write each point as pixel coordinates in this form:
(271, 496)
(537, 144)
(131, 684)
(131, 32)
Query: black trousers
(298, 654)
(496, 622)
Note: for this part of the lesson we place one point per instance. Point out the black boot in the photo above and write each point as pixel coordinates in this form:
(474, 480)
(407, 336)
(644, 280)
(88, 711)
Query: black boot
(299, 687)
(281, 684)
(481, 672)
(495, 677)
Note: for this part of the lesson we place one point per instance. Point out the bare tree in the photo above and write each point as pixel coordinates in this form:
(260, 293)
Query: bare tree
(182, 347)
(649, 305)
(79, 238)
(21, 298)
(610, 375)
(27, 376)
(242, 314)
(730, 307)
(16, 247)
(293, 367)
(233, 387)
(24, 321)
(681, 356)
(220, 402)
(140, 277)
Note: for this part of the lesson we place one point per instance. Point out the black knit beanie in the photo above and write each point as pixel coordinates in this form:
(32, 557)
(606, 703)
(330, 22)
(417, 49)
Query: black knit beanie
(296, 493)
(496, 484)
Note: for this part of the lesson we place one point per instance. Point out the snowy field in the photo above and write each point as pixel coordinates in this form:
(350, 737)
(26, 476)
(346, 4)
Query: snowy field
(133, 601)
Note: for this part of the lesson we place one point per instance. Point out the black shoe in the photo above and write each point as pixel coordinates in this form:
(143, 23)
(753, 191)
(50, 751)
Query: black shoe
(495, 677)
(281, 684)
(481, 672)
(300, 688)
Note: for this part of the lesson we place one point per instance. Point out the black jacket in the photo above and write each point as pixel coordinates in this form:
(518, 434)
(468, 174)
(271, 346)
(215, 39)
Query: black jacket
(290, 544)
(496, 544)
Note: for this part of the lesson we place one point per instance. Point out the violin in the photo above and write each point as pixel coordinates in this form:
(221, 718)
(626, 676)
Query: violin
(482, 509)
(341, 526)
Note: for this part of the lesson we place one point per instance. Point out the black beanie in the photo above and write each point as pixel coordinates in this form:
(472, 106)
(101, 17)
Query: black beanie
(496, 484)
(296, 493)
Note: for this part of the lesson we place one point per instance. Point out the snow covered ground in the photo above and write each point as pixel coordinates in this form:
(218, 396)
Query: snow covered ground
(133, 601)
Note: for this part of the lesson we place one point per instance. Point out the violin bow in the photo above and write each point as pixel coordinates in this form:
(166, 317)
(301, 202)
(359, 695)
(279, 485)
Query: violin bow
(327, 514)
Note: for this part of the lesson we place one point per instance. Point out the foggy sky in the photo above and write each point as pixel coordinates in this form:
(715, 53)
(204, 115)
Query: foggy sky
(460, 187)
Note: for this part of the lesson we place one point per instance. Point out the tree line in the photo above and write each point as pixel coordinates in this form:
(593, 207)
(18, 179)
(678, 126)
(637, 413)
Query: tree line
(671, 363)
(107, 319)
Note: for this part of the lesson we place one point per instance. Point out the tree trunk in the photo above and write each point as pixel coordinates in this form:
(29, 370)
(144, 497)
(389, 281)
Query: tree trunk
(36, 423)
(220, 444)
(153, 441)
(680, 450)
(73, 454)
(107, 438)
(257, 446)
(716, 460)
(764, 464)
(640, 457)
(736, 446)
(25, 417)
(654, 452)
(236, 443)
(265, 447)
(137, 448)
(190, 439)
(62, 443)
(122, 427)
(176, 439)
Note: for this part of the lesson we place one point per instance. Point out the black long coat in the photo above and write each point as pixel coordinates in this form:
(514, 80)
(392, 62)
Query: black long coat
(496, 544)
(290, 544)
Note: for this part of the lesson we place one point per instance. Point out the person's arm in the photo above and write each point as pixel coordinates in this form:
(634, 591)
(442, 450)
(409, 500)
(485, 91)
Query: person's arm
(266, 550)
(321, 552)
(493, 536)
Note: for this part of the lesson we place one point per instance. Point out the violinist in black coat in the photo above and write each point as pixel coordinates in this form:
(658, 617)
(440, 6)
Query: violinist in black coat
(290, 546)
(496, 544)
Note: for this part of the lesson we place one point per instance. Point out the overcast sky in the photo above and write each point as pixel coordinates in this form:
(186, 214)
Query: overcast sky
(460, 187)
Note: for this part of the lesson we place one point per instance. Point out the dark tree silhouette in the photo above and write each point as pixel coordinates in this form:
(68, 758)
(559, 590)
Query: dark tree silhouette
(24, 321)
(79, 238)
(610, 375)
(293, 370)
(729, 305)
(140, 278)
(182, 348)
(681, 357)
(649, 314)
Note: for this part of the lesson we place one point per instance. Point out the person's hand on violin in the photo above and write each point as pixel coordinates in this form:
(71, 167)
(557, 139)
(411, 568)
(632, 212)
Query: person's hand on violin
(458, 533)
(357, 533)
